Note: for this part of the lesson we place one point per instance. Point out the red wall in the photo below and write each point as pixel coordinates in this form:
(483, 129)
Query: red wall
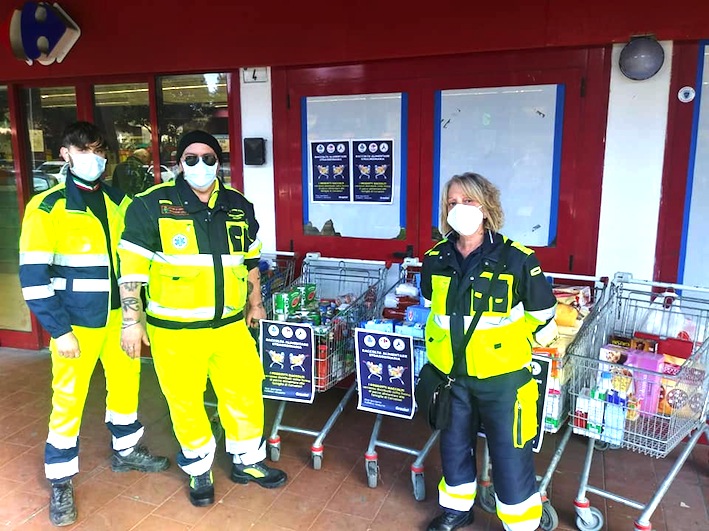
(148, 36)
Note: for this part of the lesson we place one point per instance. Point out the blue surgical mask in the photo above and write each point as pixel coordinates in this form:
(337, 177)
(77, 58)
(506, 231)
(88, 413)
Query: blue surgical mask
(200, 176)
(87, 166)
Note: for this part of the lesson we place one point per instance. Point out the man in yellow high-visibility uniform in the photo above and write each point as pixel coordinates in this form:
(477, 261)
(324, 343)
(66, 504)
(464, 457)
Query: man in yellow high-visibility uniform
(193, 242)
(68, 276)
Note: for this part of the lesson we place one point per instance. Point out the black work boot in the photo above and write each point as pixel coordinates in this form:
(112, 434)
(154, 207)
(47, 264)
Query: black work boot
(202, 489)
(260, 473)
(139, 459)
(62, 509)
(450, 520)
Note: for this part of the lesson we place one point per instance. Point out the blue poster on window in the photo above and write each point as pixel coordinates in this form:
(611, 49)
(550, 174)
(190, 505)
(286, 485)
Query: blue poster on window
(287, 357)
(331, 170)
(385, 376)
(372, 164)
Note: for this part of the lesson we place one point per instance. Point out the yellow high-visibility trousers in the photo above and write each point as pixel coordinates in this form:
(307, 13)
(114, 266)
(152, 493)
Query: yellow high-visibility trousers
(227, 355)
(70, 385)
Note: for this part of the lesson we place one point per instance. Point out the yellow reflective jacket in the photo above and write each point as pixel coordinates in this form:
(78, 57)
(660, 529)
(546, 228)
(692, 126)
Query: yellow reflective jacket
(65, 263)
(521, 302)
(194, 257)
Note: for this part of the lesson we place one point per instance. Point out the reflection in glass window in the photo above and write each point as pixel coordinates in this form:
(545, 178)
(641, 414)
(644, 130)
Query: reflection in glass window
(512, 136)
(122, 112)
(353, 148)
(188, 102)
(49, 111)
(14, 314)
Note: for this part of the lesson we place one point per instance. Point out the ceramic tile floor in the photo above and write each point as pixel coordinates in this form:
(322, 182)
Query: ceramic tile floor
(334, 498)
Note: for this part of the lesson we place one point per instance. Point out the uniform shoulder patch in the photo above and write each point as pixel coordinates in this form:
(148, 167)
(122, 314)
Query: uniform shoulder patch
(536, 271)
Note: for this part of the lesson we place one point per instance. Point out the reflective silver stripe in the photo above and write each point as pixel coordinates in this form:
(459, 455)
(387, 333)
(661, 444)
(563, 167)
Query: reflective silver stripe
(143, 279)
(36, 257)
(137, 249)
(543, 315)
(184, 259)
(91, 284)
(81, 260)
(193, 314)
(127, 441)
(62, 470)
(458, 498)
(255, 245)
(232, 259)
(486, 322)
(120, 419)
(247, 452)
(205, 456)
(59, 283)
(62, 442)
(32, 293)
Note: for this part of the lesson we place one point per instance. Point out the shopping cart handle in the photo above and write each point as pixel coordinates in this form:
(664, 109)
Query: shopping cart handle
(409, 253)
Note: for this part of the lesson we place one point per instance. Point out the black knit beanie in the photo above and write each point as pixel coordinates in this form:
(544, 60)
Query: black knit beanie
(198, 137)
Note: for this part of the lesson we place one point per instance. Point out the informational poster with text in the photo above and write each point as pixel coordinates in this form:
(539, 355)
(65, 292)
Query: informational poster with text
(287, 354)
(373, 171)
(330, 170)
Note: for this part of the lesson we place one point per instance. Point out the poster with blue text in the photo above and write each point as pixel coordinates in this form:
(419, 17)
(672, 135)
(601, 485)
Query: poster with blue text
(385, 376)
(287, 356)
(330, 170)
(372, 164)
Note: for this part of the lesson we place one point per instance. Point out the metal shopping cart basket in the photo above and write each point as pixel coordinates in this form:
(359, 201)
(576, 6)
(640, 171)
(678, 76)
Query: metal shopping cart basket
(589, 292)
(640, 405)
(356, 285)
(409, 269)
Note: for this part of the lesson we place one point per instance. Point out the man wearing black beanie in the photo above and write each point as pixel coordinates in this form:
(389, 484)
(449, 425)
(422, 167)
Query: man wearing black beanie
(194, 242)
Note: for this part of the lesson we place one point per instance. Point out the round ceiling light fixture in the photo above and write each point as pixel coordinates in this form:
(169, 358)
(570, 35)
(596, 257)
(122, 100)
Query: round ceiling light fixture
(641, 58)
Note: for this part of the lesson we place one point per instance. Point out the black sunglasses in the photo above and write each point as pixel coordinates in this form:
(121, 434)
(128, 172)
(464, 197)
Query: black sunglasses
(209, 160)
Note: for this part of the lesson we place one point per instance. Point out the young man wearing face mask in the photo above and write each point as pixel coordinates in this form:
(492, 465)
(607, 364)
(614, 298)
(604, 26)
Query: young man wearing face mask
(493, 386)
(68, 275)
(194, 242)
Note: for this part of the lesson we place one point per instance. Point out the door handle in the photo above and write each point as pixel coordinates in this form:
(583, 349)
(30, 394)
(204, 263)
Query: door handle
(409, 253)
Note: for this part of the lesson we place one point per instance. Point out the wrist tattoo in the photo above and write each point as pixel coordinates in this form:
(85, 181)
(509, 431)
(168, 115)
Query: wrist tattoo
(131, 286)
(131, 303)
(128, 324)
(249, 287)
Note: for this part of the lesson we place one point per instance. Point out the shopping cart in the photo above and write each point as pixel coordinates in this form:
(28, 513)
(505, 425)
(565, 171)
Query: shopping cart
(557, 404)
(355, 286)
(640, 422)
(409, 269)
(276, 272)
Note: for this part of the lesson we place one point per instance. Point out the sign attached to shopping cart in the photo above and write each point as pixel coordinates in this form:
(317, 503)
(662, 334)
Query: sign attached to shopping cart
(541, 369)
(287, 354)
(385, 376)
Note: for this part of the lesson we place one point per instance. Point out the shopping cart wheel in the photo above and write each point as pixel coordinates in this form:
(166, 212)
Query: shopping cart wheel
(550, 519)
(601, 446)
(274, 452)
(419, 486)
(372, 467)
(317, 461)
(595, 522)
(486, 496)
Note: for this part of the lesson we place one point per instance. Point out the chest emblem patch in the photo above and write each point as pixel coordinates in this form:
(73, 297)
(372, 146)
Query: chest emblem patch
(179, 241)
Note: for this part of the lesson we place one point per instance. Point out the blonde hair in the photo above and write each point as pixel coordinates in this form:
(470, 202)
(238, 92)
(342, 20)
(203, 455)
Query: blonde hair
(476, 187)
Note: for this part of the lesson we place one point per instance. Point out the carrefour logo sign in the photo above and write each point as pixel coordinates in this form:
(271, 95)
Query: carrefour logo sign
(42, 32)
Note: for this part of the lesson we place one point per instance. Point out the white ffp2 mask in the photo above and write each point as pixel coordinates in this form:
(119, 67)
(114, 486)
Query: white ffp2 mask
(87, 166)
(465, 219)
(200, 175)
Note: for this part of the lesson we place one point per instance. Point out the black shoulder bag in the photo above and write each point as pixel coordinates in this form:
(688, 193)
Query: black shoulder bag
(433, 390)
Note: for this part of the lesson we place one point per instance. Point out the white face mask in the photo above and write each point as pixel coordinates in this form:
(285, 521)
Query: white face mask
(200, 176)
(87, 166)
(465, 219)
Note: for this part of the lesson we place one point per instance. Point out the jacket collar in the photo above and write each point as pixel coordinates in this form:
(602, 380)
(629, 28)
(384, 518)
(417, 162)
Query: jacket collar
(491, 248)
(75, 202)
(190, 200)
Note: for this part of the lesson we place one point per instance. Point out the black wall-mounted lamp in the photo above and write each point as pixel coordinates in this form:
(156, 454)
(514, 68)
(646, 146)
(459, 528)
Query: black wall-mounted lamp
(641, 58)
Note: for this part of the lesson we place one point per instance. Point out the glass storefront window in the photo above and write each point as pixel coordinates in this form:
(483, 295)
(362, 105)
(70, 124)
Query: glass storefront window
(122, 112)
(48, 111)
(14, 314)
(188, 102)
